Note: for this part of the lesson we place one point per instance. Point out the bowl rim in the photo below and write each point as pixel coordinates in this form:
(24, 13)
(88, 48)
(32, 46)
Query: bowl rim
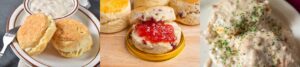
(27, 8)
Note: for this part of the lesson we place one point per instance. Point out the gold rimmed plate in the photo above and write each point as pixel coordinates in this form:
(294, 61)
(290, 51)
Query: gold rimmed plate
(153, 57)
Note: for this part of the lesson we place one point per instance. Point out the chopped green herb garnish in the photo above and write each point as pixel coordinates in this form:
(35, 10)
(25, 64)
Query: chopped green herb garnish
(222, 44)
(252, 29)
(228, 51)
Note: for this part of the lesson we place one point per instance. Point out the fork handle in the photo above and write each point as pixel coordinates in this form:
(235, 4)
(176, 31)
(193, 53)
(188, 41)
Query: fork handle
(3, 49)
(1, 54)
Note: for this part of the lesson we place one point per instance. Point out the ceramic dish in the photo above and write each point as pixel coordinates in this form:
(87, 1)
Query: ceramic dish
(153, 57)
(72, 11)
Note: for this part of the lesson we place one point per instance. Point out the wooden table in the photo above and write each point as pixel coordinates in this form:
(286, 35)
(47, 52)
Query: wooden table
(115, 54)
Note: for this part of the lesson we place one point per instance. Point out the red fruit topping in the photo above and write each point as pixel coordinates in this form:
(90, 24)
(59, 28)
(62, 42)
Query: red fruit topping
(156, 31)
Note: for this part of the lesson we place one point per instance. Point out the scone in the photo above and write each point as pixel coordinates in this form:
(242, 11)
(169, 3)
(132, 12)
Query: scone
(158, 13)
(114, 15)
(72, 38)
(154, 31)
(156, 37)
(149, 3)
(187, 11)
(34, 35)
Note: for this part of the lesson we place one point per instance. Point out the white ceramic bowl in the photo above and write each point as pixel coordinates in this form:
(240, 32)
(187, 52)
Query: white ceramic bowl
(72, 11)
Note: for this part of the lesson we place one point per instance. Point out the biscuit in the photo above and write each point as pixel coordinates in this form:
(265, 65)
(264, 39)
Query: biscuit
(187, 11)
(34, 35)
(156, 48)
(114, 15)
(158, 13)
(72, 38)
(149, 3)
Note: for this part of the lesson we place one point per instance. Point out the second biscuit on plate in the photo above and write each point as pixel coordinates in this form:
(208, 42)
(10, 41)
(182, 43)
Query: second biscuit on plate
(72, 38)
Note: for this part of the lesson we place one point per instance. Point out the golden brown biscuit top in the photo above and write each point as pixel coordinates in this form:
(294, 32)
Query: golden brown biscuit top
(113, 6)
(192, 1)
(32, 30)
(70, 30)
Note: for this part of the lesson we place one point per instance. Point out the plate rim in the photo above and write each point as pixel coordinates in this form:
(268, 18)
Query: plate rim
(12, 19)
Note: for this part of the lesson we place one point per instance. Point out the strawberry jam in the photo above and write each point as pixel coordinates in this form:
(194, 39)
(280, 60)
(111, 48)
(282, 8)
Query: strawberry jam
(156, 31)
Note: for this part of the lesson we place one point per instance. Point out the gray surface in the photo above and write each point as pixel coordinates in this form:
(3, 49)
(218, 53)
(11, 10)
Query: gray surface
(6, 9)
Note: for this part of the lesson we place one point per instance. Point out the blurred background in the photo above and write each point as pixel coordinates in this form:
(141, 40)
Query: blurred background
(295, 4)
(6, 9)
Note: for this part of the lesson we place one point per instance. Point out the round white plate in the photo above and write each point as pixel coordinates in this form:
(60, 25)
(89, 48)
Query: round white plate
(50, 56)
(22, 64)
(280, 9)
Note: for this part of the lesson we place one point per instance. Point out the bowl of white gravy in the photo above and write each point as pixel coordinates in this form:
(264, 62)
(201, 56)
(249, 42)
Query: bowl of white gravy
(55, 8)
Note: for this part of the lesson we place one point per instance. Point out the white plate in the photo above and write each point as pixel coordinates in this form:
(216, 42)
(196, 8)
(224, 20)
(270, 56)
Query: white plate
(22, 64)
(50, 56)
(280, 9)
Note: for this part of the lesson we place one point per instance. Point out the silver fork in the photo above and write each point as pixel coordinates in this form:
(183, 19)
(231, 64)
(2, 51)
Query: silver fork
(8, 38)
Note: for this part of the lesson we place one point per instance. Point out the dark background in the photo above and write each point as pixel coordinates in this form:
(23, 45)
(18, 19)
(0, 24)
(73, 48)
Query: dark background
(6, 9)
(295, 3)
